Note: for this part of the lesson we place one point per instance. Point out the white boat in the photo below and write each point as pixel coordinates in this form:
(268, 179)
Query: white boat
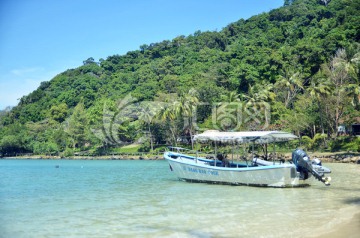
(257, 172)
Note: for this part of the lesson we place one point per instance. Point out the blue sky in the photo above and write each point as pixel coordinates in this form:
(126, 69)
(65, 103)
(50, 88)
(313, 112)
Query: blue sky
(41, 38)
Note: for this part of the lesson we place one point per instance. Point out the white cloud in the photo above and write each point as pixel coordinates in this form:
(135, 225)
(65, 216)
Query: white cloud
(20, 82)
(26, 71)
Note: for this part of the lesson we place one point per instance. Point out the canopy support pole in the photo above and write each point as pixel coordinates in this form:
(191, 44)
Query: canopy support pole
(274, 148)
(245, 155)
(215, 154)
(237, 156)
(253, 153)
(232, 153)
(266, 151)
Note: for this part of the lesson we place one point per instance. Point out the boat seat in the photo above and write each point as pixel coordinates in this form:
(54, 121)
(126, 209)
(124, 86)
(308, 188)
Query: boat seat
(260, 162)
(174, 156)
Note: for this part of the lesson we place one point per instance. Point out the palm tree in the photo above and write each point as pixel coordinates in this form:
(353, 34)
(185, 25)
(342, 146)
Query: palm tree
(257, 100)
(186, 108)
(147, 114)
(291, 83)
(341, 72)
(228, 112)
(259, 94)
(353, 91)
(344, 66)
(230, 97)
(320, 88)
(167, 115)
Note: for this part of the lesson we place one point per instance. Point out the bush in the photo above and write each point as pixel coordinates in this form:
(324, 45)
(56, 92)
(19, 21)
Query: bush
(45, 148)
(314, 143)
(68, 152)
(145, 147)
(345, 143)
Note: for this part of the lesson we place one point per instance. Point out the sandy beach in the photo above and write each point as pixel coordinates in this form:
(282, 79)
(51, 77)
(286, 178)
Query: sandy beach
(347, 230)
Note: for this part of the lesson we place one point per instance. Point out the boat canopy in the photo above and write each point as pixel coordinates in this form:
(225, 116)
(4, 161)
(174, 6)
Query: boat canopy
(258, 137)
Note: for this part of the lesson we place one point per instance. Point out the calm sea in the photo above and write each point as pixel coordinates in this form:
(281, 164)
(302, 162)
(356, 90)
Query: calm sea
(144, 199)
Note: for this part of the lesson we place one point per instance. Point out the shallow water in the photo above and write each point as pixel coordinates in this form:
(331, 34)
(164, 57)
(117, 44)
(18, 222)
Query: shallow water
(143, 198)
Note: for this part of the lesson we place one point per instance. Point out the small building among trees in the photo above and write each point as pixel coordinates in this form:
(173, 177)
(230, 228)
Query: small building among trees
(355, 129)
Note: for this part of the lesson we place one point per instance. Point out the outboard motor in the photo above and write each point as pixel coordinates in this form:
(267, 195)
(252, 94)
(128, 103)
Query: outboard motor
(306, 167)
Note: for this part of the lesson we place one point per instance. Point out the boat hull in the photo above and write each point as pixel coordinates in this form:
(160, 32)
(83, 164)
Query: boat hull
(198, 170)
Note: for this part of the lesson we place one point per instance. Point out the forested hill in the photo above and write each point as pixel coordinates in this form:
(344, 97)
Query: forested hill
(301, 59)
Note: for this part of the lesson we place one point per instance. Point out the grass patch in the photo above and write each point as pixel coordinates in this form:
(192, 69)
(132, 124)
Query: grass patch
(128, 149)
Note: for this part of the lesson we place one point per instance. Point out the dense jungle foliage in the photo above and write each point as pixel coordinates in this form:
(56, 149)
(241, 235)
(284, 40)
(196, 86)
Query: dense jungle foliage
(295, 68)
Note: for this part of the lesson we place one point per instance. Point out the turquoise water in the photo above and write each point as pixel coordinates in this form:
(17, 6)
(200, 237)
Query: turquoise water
(144, 199)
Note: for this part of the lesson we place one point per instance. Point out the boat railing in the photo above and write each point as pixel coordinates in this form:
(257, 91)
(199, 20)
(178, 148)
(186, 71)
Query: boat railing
(179, 149)
(191, 152)
(251, 159)
(198, 154)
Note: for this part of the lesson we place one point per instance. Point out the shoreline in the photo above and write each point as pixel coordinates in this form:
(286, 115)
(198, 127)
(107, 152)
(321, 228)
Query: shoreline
(350, 229)
(336, 157)
(109, 157)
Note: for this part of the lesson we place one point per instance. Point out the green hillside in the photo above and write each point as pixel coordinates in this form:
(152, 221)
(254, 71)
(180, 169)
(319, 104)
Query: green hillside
(295, 68)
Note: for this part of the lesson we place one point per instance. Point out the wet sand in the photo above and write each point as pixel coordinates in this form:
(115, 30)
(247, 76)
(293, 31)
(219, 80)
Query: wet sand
(346, 230)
